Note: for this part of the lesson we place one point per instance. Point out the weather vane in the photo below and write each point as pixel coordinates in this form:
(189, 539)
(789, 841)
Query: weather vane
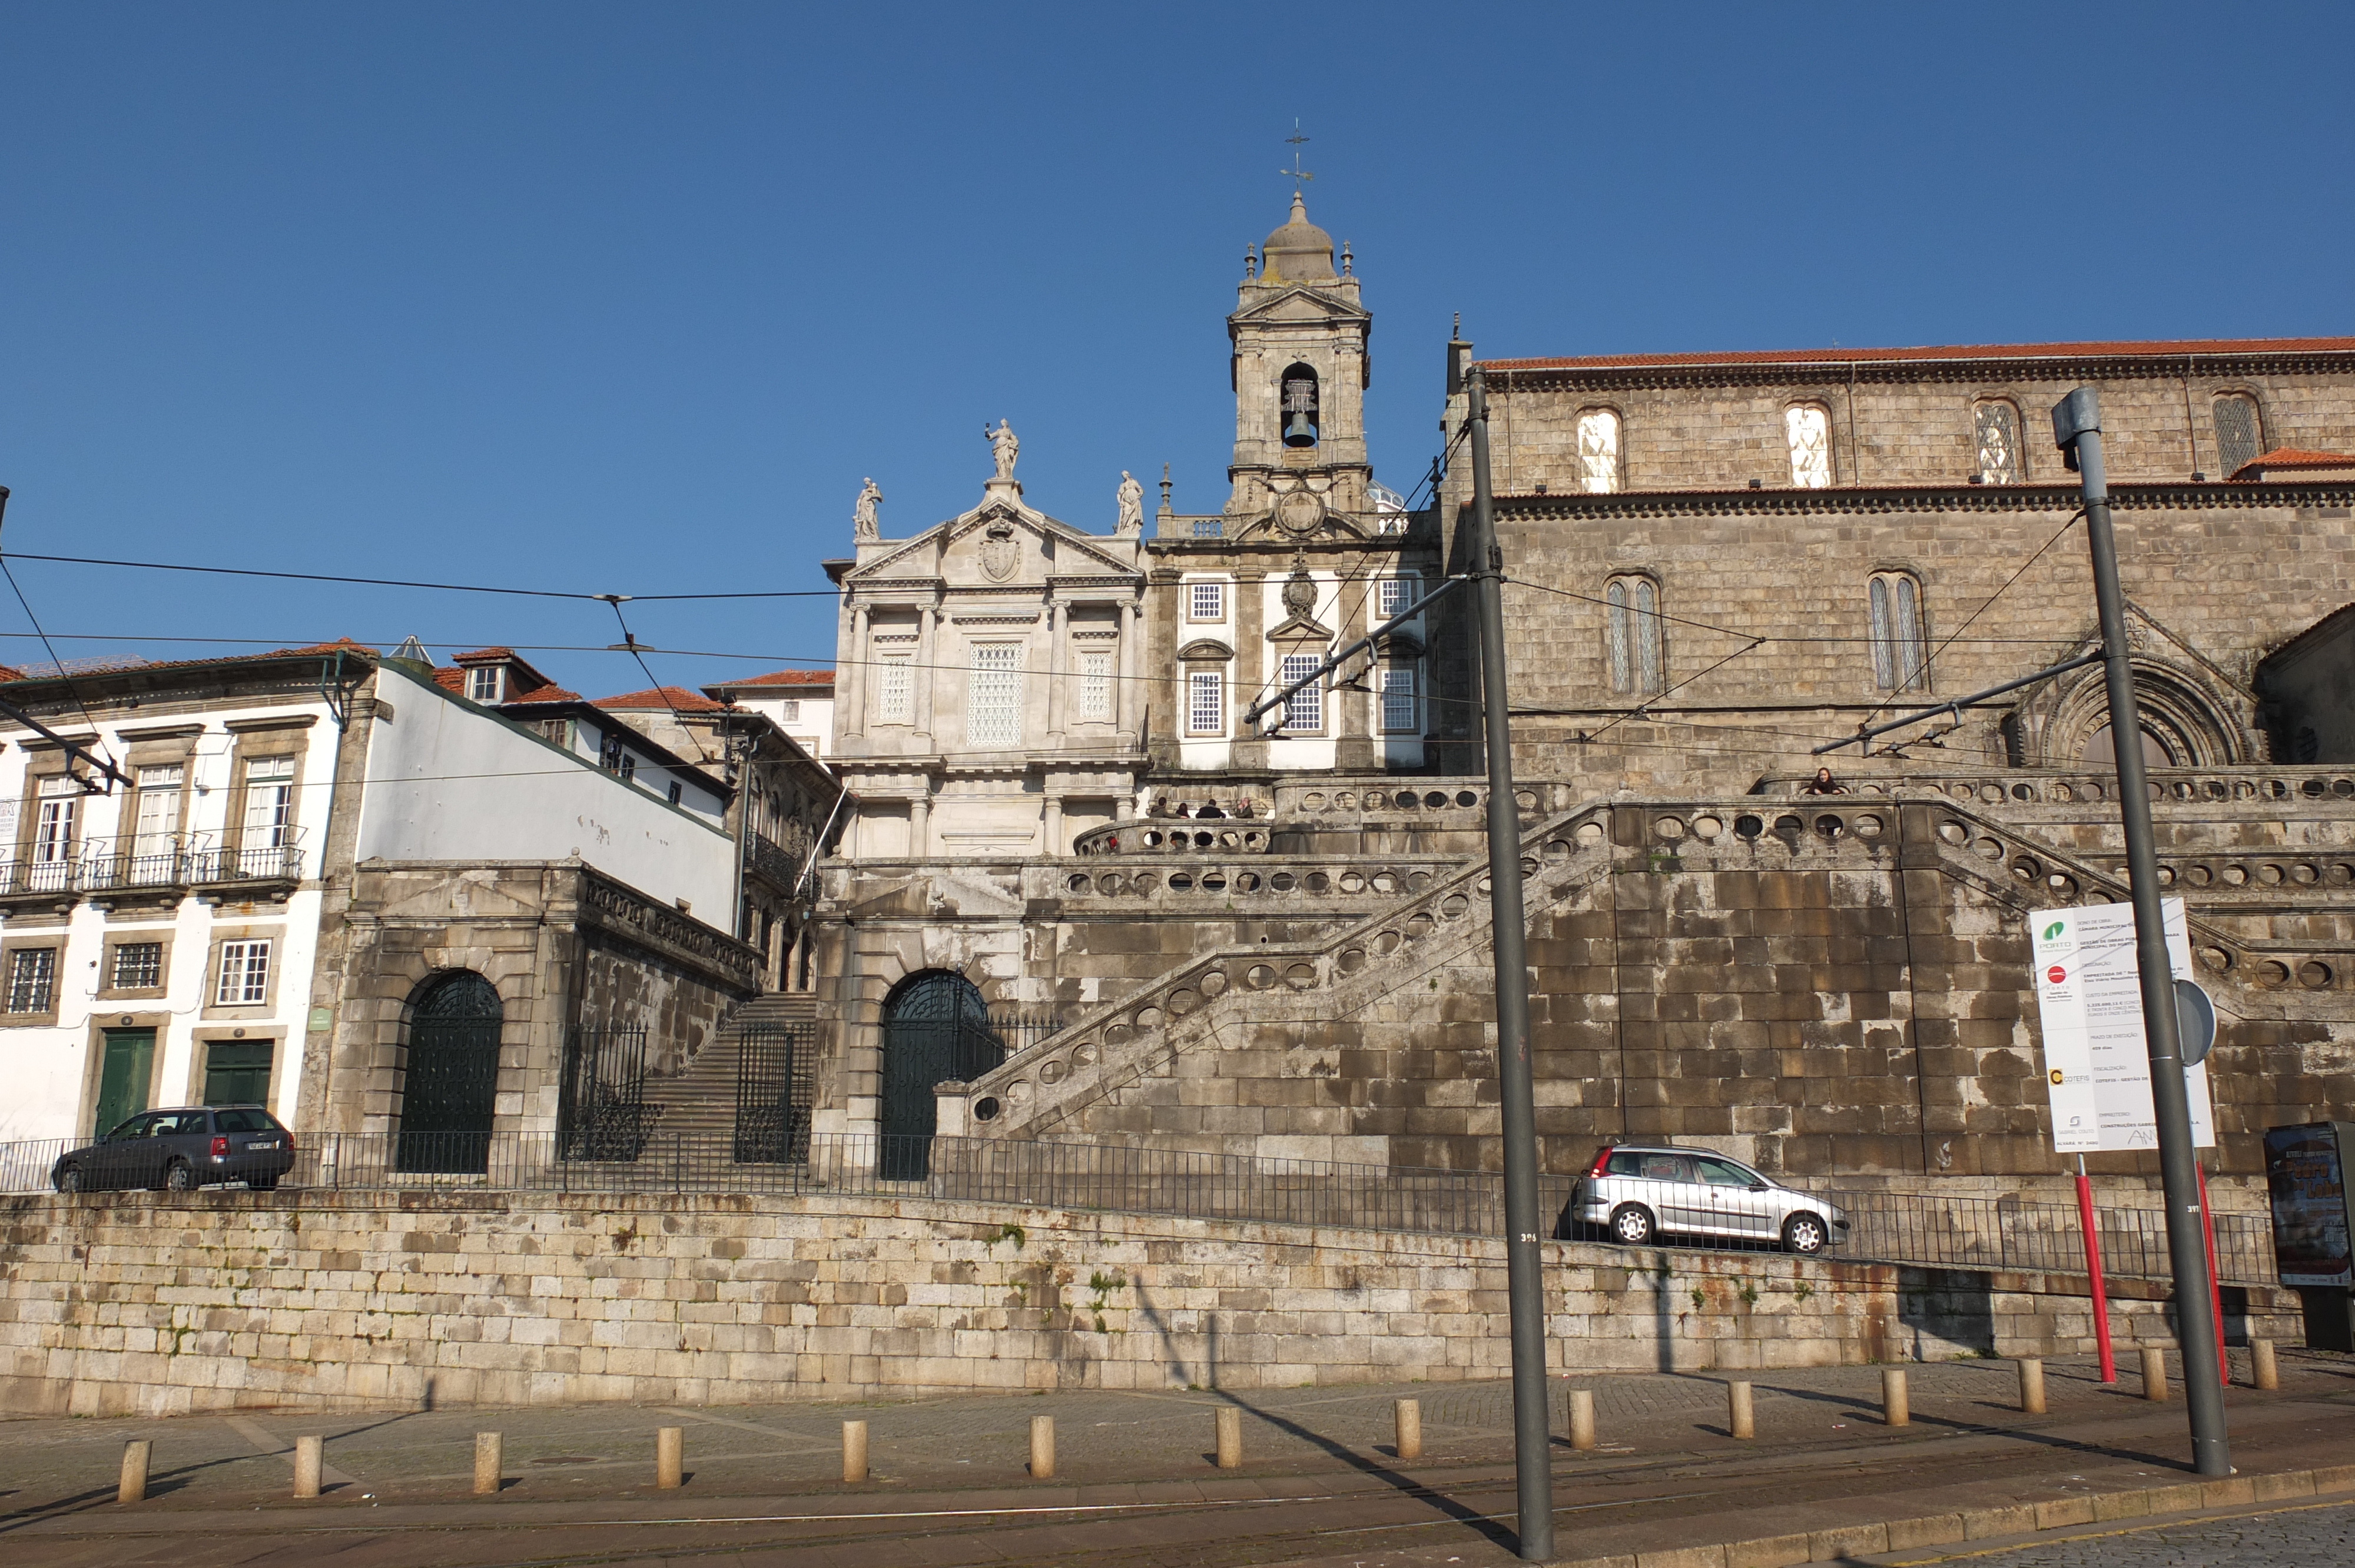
(1298, 175)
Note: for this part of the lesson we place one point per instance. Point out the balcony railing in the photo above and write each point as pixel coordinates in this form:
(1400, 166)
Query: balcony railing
(767, 859)
(130, 865)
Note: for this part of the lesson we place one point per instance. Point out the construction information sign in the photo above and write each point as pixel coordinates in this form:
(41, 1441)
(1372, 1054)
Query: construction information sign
(2096, 1062)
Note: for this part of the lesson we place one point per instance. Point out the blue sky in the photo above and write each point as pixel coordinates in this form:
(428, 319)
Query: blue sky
(630, 298)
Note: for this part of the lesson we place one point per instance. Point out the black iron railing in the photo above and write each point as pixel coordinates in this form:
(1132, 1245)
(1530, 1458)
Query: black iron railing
(1915, 1229)
(116, 865)
(601, 1109)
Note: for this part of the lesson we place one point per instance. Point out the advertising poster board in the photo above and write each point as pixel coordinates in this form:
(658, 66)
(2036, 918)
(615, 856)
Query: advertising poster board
(2306, 1170)
(2089, 1000)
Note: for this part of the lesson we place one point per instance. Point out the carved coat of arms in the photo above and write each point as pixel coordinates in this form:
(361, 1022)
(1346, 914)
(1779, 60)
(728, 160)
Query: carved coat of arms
(1000, 553)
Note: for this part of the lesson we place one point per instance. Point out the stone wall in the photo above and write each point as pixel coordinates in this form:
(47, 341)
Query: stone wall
(162, 1304)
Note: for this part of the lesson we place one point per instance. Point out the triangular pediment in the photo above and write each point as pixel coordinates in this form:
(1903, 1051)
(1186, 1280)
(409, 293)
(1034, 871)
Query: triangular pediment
(1298, 303)
(1301, 629)
(1045, 545)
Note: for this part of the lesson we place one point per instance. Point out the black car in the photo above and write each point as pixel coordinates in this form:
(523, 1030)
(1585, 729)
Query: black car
(180, 1149)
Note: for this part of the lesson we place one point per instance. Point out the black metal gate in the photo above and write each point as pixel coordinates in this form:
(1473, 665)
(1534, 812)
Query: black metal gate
(774, 1089)
(937, 1029)
(602, 1111)
(451, 1083)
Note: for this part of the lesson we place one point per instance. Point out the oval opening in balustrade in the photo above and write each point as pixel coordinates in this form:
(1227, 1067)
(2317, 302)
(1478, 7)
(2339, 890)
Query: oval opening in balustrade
(1301, 977)
(1707, 827)
(2314, 974)
(1466, 798)
(1744, 827)
(1259, 976)
(988, 1107)
(1214, 882)
(1318, 882)
(1179, 881)
(1283, 882)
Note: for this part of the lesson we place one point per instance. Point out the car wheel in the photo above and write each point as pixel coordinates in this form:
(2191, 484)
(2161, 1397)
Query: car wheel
(72, 1179)
(1631, 1224)
(1803, 1233)
(178, 1178)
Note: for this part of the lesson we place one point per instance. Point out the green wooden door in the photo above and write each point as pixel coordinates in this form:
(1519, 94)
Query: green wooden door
(123, 1075)
(237, 1073)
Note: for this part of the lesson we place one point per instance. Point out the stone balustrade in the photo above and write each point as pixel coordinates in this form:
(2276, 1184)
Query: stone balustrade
(2172, 786)
(1317, 878)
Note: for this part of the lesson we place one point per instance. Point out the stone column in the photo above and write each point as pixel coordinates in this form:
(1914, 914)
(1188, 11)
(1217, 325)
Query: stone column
(920, 822)
(854, 677)
(1126, 699)
(925, 674)
(1350, 715)
(1055, 844)
(1059, 635)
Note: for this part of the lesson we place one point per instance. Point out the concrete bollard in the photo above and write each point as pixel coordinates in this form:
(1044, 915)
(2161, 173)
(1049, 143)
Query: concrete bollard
(2154, 1374)
(133, 1485)
(310, 1458)
(1582, 1419)
(488, 1464)
(2264, 1371)
(1896, 1409)
(853, 1451)
(2031, 1386)
(1042, 1447)
(670, 1457)
(1230, 1438)
(1409, 1415)
(1741, 1416)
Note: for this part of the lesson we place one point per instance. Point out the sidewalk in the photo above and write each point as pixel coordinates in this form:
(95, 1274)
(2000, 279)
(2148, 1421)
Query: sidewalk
(1320, 1484)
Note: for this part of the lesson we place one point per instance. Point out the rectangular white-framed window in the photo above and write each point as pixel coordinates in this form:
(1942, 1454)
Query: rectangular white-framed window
(1095, 687)
(992, 708)
(1396, 594)
(1206, 702)
(1303, 711)
(56, 829)
(269, 801)
(1398, 700)
(244, 974)
(157, 814)
(790, 711)
(32, 980)
(895, 690)
(484, 683)
(1206, 601)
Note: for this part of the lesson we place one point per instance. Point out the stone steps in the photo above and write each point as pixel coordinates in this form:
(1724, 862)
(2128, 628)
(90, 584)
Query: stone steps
(701, 1101)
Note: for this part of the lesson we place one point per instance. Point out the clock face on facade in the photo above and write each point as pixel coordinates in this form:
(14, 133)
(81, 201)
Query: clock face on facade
(1299, 511)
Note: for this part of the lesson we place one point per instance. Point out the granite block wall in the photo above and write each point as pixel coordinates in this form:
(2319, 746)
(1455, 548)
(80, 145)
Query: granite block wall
(168, 1303)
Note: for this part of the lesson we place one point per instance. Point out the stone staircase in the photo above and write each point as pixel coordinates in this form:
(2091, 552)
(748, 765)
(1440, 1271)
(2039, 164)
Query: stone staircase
(700, 1102)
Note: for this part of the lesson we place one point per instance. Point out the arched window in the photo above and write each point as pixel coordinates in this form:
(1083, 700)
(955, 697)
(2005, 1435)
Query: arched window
(2240, 434)
(1808, 429)
(935, 1029)
(1598, 450)
(1901, 654)
(1300, 408)
(2000, 459)
(1638, 661)
(450, 1082)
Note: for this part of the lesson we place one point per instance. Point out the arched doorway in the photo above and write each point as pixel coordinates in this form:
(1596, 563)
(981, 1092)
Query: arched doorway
(935, 1028)
(2101, 751)
(451, 1082)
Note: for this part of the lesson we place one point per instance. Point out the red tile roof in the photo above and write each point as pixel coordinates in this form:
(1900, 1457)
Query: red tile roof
(784, 678)
(678, 697)
(2173, 348)
(2294, 457)
(550, 694)
(483, 656)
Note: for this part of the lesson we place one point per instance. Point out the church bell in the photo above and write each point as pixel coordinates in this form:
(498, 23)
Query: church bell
(1300, 432)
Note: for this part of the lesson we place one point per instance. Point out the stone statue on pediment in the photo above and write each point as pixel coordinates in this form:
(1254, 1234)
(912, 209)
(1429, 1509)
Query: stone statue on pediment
(1003, 447)
(1132, 508)
(863, 523)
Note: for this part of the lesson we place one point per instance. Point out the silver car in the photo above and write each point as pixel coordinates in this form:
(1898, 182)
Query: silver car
(1641, 1191)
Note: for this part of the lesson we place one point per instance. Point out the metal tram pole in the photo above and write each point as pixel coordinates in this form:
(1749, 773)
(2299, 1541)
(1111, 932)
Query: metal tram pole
(2077, 431)
(1532, 1436)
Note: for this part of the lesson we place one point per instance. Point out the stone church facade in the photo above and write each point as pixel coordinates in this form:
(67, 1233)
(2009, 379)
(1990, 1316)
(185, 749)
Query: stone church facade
(1719, 563)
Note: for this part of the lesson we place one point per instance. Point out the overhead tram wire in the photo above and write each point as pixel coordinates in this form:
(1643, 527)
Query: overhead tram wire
(107, 753)
(406, 583)
(631, 645)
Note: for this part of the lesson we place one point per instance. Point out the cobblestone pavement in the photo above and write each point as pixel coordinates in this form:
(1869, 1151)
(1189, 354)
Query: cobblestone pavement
(2297, 1538)
(1134, 1482)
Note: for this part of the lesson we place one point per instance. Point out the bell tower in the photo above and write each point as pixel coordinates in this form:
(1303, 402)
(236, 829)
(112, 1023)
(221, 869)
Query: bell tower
(1300, 369)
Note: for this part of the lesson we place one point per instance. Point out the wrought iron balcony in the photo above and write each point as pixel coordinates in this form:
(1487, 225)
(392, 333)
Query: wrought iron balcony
(767, 859)
(114, 867)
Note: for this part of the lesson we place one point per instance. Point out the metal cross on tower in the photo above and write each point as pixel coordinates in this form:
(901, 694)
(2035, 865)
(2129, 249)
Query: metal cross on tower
(1296, 175)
